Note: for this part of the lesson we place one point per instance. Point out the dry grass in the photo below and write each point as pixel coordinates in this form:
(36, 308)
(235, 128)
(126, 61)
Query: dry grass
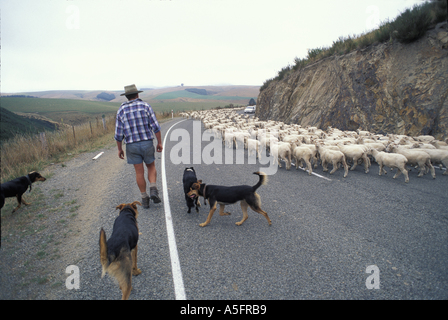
(24, 154)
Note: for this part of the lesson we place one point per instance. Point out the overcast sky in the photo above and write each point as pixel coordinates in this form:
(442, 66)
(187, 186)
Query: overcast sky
(105, 45)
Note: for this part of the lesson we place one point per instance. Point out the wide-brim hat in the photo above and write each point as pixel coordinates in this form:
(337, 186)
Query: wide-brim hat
(131, 89)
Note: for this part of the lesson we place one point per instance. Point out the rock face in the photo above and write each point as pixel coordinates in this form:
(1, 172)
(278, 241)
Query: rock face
(384, 88)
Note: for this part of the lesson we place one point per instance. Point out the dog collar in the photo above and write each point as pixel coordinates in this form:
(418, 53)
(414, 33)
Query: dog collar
(29, 180)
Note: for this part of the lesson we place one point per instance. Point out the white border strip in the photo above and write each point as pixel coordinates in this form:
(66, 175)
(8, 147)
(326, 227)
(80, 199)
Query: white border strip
(97, 156)
(314, 174)
(179, 289)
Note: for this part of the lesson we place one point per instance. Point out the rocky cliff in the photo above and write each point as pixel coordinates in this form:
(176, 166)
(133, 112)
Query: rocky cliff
(384, 88)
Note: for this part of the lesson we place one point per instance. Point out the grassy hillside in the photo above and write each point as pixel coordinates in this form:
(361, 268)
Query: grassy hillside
(187, 94)
(76, 112)
(12, 124)
(68, 111)
(229, 91)
(25, 153)
(75, 107)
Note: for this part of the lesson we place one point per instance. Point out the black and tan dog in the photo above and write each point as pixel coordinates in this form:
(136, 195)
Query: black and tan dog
(188, 179)
(118, 255)
(17, 187)
(227, 195)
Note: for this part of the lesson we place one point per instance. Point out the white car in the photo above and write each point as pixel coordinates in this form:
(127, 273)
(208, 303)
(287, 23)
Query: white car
(250, 109)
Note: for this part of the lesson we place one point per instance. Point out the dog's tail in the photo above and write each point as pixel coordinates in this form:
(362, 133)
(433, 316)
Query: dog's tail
(103, 252)
(263, 180)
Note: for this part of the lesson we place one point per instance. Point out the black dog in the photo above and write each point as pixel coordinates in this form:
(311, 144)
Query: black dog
(223, 196)
(17, 187)
(118, 255)
(188, 180)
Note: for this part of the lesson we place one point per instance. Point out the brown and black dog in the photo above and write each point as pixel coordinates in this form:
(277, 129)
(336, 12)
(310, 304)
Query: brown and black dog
(17, 187)
(227, 195)
(118, 255)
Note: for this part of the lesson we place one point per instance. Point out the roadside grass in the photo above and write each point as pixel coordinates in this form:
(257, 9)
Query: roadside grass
(65, 111)
(26, 153)
(32, 237)
(30, 152)
(28, 235)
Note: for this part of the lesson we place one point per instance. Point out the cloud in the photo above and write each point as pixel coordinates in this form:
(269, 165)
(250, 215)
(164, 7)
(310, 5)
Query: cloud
(48, 45)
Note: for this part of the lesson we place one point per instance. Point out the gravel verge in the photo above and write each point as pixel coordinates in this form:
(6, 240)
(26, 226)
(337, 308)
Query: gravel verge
(61, 228)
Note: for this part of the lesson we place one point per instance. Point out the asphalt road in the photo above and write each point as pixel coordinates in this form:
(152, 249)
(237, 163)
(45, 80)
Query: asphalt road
(324, 233)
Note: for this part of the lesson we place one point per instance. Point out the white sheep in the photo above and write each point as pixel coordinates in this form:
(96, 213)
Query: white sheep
(253, 146)
(355, 152)
(267, 139)
(439, 144)
(229, 137)
(391, 160)
(415, 157)
(292, 138)
(424, 138)
(363, 133)
(281, 151)
(313, 150)
(438, 156)
(380, 146)
(239, 136)
(332, 156)
(302, 153)
(422, 145)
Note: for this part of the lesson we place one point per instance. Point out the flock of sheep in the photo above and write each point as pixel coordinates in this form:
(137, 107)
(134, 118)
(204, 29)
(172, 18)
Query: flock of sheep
(310, 145)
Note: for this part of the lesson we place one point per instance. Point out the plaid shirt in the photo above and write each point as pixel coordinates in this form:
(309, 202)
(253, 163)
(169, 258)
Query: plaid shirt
(136, 121)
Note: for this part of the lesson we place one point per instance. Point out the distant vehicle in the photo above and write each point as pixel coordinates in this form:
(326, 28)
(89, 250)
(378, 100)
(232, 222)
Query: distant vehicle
(250, 109)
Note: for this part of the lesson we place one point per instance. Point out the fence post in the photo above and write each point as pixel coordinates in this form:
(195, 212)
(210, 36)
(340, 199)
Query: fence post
(91, 131)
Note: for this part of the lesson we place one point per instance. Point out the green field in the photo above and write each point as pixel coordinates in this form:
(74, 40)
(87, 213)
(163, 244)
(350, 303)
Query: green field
(68, 111)
(42, 105)
(76, 112)
(12, 124)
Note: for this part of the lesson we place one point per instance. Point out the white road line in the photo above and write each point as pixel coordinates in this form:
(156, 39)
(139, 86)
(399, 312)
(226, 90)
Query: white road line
(315, 174)
(97, 156)
(179, 289)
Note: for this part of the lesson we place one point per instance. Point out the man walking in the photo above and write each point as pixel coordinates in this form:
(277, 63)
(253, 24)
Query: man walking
(137, 124)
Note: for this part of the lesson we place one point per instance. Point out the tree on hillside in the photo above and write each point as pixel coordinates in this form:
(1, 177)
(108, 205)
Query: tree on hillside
(106, 96)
